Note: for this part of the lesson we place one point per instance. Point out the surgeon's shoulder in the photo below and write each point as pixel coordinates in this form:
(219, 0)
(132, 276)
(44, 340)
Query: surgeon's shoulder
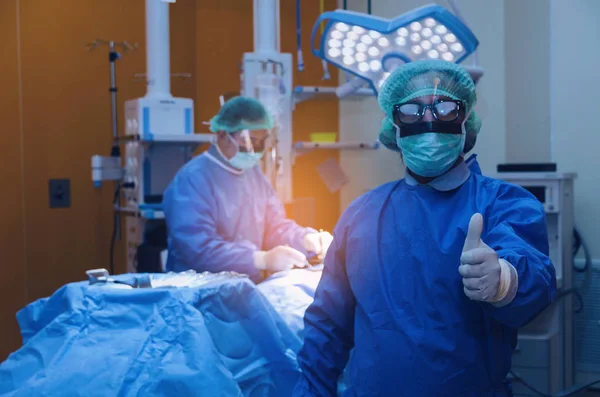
(366, 204)
(194, 173)
(197, 164)
(194, 169)
(508, 193)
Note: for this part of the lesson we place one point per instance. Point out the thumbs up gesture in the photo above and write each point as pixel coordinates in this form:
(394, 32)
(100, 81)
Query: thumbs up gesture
(480, 267)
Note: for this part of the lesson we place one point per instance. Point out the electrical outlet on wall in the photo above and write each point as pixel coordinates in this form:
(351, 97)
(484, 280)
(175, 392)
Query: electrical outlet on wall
(59, 193)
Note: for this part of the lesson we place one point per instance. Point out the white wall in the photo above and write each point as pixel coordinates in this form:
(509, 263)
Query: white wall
(575, 106)
(360, 119)
(527, 50)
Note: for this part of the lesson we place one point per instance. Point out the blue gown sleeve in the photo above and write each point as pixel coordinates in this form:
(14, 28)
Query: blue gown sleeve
(517, 232)
(192, 228)
(280, 230)
(328, 325)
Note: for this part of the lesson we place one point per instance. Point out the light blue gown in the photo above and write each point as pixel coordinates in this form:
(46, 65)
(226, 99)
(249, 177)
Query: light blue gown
(218, 216)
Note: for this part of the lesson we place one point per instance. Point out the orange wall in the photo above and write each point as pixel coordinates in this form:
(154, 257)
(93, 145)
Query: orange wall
(12, 281)
(55, 113)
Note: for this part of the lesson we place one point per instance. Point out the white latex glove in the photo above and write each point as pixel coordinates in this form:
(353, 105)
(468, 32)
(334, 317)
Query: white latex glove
(317, 242)
(485, 277)
(279, 258)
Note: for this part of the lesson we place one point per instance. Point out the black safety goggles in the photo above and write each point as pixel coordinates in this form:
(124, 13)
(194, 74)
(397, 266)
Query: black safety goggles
(442, 110)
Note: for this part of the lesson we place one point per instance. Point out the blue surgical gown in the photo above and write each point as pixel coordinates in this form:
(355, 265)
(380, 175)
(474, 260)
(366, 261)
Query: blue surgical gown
(218, 216)
(391, 291)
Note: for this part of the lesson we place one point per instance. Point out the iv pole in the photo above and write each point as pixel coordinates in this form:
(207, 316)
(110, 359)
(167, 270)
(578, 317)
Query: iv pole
(115, 151)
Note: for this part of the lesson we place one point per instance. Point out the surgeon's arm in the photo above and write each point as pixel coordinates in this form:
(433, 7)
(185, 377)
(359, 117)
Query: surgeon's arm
(280, 230)
(517, 232)
(193, 231)
(328, 327)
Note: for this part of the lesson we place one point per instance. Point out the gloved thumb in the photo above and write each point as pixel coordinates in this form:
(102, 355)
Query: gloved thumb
(473, 239)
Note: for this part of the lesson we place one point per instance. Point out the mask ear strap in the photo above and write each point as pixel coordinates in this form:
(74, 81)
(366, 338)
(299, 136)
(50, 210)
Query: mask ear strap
(463, 128)
(467, 118)
(397, 129)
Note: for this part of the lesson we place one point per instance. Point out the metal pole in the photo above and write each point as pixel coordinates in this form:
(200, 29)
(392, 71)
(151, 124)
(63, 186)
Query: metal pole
(157, 49)
(265, 26)
(112, 59)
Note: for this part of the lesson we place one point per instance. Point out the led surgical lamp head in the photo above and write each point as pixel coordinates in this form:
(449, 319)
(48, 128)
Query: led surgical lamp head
(371, 48)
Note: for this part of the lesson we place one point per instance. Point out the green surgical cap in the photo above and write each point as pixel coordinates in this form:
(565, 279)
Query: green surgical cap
(425, 78)
(241, 113)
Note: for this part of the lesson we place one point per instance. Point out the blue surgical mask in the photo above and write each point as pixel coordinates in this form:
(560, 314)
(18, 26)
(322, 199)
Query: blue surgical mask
(431, 154)
(245, 161)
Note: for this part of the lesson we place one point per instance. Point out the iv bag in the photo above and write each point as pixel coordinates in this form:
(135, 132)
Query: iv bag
(267, 91)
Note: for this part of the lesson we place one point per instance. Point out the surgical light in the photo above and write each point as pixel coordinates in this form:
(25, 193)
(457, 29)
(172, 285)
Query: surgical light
(360, 57)
(375, 65)
(372, 47)
(342, 27)
(417, 49)
(448, 56)
(433, 54)
(352, 36)
(450, 38)
(336, 34)
(456, 47)
(401, 41)
(366, 39)
(373, 51)
(334, 52)
(383, 42)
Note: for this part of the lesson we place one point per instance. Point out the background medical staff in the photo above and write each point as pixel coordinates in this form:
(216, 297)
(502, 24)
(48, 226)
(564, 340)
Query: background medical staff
(222, 214)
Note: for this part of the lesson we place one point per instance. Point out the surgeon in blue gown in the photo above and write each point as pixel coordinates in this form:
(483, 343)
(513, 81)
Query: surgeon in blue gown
(429, 277)
(221, 212)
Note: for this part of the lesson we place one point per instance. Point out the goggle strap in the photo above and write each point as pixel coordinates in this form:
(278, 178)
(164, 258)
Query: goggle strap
(433, 126)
